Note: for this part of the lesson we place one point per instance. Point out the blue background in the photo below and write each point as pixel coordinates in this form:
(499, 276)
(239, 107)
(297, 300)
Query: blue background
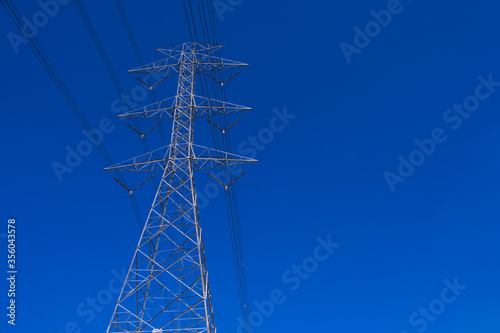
(322, 175)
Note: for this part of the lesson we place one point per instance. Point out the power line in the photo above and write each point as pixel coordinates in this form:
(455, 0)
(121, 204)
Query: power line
(105, 60)
(61, 86)
(138, 55)
(207, 26)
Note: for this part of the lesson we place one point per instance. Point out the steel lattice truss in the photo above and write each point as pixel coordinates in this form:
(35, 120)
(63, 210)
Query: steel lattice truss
(166, 288)
(203, 158)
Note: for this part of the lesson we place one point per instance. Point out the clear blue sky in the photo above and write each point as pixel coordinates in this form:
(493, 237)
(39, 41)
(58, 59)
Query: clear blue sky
(323, 173)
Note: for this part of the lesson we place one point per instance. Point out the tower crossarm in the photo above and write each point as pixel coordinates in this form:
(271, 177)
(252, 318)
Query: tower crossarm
(172, 65)
(199, 48)
(166, 109)
(203, 158)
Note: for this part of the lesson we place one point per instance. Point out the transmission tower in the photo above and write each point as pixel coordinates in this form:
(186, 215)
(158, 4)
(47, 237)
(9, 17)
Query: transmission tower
(166, 288)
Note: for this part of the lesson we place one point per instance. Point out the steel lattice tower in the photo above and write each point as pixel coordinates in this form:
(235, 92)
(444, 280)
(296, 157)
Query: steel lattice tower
(166, 288)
